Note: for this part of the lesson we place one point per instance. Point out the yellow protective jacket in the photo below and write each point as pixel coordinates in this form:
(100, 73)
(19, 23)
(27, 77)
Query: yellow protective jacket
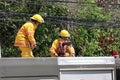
(56, 48)
(25, 36)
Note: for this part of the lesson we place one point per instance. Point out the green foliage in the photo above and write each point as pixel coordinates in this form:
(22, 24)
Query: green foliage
(10, 51)
(86, 42)
(44, 35)
(85, 38)
(92, 13)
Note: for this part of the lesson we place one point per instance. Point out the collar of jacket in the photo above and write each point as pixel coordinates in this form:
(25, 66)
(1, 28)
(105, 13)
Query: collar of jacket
(35, 26)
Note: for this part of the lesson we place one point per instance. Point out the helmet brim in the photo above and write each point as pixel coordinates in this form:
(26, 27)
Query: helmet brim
(37, 20)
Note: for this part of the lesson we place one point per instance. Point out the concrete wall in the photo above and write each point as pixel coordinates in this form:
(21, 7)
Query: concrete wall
(28, 69)
(47, 68)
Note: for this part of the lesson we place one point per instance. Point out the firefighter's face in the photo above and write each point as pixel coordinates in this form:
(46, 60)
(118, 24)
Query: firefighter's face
(65, 38)
(37, 23)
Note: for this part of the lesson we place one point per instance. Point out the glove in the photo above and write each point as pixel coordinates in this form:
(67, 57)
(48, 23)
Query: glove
(33, 46)
(55, 54)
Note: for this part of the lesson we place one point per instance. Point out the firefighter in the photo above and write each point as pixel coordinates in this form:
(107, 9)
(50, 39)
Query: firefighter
(62, 47)
(25, 40)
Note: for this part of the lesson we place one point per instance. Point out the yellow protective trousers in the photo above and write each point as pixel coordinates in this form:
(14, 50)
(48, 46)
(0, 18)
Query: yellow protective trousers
(26, 52)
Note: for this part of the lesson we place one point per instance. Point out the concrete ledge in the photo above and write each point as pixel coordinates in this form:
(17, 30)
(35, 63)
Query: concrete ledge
(49, 68)
(15, 67)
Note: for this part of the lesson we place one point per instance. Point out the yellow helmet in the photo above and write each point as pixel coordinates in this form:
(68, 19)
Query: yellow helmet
(38, 18)
(64, 33)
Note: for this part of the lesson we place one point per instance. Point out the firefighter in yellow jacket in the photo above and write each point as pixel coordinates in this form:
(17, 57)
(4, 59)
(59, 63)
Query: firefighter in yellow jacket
(25, 37)
(62, 47)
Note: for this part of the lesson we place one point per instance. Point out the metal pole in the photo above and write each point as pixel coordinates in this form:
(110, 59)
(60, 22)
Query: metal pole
(0, 49)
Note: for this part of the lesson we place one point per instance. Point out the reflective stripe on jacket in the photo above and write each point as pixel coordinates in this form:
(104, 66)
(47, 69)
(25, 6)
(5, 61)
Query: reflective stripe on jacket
(25, 36)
